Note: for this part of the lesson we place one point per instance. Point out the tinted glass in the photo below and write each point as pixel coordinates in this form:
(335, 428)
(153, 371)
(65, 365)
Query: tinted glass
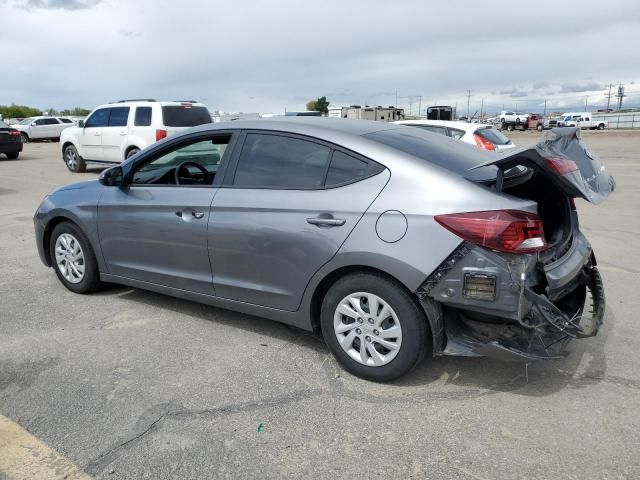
(119, 117)
(493, 135)
(99, 118)
(184, 116)
(143, 117)
(26, 121)
(51, 121)
(455, 156)
(457, 134)
(41, 121)
(161, 171)
(431, 128)
(281, 162)
(65, 120)
(345, 169)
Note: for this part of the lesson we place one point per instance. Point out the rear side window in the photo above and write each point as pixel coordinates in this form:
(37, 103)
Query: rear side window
(119, 117)
(455, 133)
(143, 117)
(99, 118)
(493, 135)
(51, 121)
(346, 169)
(281, 162)
(184, 115)
(65, 120)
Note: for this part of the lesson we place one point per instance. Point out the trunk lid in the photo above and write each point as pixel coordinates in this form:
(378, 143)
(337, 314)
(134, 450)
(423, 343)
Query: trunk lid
(566, 160)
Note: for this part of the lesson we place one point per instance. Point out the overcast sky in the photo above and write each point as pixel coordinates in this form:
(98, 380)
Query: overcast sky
(266, 56)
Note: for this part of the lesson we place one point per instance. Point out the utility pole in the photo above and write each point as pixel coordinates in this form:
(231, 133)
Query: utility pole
(620, 96)
(608, 98)
(481, 108)
(468, 102)
(396, 105)
(420, 105)
(544, 114)
(586, 99)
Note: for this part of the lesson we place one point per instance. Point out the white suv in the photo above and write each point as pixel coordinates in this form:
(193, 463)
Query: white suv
(116, 131)
(42, 128)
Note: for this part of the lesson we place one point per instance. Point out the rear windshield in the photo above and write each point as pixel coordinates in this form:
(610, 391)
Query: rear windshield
(494, 136)
(184, 116)
(444, 152)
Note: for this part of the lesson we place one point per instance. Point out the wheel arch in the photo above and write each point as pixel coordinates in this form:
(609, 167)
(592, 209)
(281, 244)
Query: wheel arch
(129, 148)
(48, 229)
(320, 290)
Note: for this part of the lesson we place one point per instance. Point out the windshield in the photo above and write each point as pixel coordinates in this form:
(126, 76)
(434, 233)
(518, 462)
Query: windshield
(493, 135)
(27, 121)
(185, 115)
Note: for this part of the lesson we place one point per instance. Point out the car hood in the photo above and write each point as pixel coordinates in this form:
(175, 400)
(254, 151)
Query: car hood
(589, 181)
(84, 185)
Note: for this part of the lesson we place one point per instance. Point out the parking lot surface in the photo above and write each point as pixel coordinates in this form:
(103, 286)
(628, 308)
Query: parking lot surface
(131, 384)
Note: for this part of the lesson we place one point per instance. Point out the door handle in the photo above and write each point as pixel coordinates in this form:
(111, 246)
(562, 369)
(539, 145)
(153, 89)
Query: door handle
(326, 222)
(123, 133)
(196, 215)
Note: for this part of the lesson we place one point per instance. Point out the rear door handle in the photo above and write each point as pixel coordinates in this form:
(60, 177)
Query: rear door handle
(326, 222)
(196, 215)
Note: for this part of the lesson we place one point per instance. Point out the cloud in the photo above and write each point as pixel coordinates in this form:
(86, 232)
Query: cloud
(56, 4)
(580, 87)
(540, 85)
(128, 33)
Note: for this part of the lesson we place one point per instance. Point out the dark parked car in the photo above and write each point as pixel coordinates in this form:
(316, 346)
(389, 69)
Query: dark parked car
(10, 141)
(392, 241)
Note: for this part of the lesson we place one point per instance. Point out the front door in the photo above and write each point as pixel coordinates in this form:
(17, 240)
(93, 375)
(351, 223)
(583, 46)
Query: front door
(90, 137)
(155, 228)
(291, 204)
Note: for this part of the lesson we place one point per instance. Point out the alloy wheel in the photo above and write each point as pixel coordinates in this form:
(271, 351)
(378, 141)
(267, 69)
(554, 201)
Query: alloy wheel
(70, 258)
(72, 158)
(367, 329)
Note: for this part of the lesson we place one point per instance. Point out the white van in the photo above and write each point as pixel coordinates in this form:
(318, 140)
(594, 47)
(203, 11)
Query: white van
(116, 131)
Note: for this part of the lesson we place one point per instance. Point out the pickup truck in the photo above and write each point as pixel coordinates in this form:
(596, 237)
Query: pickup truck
(540, 123)
(582, 120)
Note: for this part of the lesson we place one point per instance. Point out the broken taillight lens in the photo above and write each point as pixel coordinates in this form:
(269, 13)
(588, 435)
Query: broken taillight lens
(483, 142)
(561, 166)
(511, 231)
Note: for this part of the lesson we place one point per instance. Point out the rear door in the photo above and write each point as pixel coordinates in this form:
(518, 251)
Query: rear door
(288, 204)
(114, 134)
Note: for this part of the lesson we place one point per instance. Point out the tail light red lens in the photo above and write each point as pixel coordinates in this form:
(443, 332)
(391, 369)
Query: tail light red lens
(160, 134)
(509, 231)
(14, 133)
(561, 166)
(483, 142)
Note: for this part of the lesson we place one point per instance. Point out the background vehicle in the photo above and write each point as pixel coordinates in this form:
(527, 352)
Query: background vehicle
(10, 141)
(441, 112)
(116, 131)
(393, 242)
(481, 135)
(42, 128)
(513, 117)
(582, 120)
(540, 123)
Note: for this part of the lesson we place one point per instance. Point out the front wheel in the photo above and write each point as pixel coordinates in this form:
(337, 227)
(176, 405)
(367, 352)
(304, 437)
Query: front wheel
(374, 327)
(24, 137)
(73, 161)
(73, 259)
(509, 128)
(540, 128)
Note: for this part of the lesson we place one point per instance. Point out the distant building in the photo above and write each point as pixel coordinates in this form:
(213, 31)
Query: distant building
(338, 112)
(292, 114)
(218, 116)
(380, 114)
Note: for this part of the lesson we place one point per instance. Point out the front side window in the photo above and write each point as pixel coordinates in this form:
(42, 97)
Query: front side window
(99, 118)
(281, 162)
(118, 117)
(193, 164)
(51, 121)
(41, 121)
(143, 117)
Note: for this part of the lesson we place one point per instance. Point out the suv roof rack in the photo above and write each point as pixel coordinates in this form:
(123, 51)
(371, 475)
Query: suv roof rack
(136, 100)
(186, 101)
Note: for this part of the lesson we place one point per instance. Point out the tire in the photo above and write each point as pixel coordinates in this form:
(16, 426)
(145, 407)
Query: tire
(540, 128)
(13, 155)
(502, 121)
(24, 137)
(73, 160)
(601, 126)
(518, 121)
(64, 238)
(509, 128)
(413, 343)
(132, 152)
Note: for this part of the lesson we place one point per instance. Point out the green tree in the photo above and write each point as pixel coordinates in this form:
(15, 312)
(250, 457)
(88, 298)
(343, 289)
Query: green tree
(18, 111)
(76, 112)
(319, 105)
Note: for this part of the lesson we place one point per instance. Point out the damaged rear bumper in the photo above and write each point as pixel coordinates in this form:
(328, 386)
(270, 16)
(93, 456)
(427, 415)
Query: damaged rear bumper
(516, 307)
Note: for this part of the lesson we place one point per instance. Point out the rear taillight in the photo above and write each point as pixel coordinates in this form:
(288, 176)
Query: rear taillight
(511, 231)
(561, 166)
(483, 142)
(14, 133)
(160, 134)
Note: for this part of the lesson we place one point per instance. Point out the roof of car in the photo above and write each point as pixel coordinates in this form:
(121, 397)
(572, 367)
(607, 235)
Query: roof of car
(444, 123)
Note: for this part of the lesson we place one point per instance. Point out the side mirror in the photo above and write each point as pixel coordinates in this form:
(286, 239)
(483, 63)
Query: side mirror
(33, 124)
(81, 123)
(112, 177)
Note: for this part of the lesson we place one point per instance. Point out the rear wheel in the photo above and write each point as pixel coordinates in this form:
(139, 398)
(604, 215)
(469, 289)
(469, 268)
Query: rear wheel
(132, 152)
(601, 126)
(73, 259)
(540, 128)
(373, 327)
(73, 161)
(13, 155)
